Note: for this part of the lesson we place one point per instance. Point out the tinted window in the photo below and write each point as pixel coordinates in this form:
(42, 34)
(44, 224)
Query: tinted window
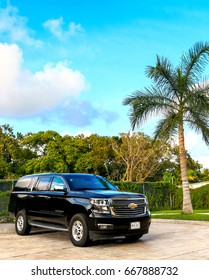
(57, 181)
(43, 184)
(88, 182)
(23, 184)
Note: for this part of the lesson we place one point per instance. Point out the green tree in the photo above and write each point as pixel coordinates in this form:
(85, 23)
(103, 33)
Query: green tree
(205, 174)
(9, 152)
(98, 156)
(180, 96)
(75, 148)
(173, 167)
(48, 152)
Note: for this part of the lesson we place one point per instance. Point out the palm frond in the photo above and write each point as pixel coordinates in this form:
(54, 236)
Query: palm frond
(200, 125)
(162, 74)
(167, 127)
(177, 95)
(151, 101)
(193, 63)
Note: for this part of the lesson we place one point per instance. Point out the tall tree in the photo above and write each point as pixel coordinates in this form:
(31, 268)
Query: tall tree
(140, 157)
(179, 95)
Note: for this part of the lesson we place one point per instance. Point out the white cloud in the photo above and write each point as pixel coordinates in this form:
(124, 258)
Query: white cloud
(13, 27)
(27, 94)
(86, 133)
(55, 26)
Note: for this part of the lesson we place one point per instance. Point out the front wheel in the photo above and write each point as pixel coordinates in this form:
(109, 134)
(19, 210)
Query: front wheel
(21, 223)
(79, 231)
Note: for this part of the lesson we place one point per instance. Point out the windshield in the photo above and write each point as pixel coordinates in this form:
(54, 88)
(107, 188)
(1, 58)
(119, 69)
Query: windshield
(88, 182)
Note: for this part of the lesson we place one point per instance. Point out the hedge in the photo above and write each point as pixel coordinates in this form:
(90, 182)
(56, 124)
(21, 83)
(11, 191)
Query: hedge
(200, 197)
(164, 196)
(161, 195)
(4, 200)
(7, 185)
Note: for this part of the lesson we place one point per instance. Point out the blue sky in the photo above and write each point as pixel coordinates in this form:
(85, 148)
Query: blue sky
(67, 65)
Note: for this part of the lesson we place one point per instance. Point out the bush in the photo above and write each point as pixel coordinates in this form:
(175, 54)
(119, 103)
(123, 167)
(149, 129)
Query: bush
(200, 197)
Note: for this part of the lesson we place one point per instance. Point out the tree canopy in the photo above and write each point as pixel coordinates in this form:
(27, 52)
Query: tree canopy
(128, 156)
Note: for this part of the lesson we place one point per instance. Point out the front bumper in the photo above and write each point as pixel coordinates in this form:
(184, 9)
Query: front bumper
(107, 226)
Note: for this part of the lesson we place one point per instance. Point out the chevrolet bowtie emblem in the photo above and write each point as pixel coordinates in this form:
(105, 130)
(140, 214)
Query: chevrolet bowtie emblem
(132, 205)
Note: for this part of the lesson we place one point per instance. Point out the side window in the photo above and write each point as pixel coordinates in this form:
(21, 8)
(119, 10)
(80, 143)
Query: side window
(43, 184)
(23, 184)
(33, 182)
(57, 181)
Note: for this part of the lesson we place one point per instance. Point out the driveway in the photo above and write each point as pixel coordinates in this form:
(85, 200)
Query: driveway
(167, 240)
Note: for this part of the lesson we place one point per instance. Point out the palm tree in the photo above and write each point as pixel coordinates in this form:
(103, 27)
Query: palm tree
(179, 95)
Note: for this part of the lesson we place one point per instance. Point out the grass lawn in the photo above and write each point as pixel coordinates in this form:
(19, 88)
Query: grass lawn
(198, 215)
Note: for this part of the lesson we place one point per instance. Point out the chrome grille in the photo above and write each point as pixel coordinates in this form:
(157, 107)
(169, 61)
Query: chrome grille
(121, 207)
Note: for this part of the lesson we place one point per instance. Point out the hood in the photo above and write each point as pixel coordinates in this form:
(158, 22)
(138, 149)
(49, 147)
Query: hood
(111, 194)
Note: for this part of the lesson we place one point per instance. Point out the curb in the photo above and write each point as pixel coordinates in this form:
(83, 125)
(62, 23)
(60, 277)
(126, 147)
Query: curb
(170, 221)
(7, 228)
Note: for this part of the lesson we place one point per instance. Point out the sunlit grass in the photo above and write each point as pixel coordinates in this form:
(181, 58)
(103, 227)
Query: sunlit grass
(198, 215)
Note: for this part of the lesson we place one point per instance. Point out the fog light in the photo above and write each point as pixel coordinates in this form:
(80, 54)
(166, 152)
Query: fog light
(105, 226)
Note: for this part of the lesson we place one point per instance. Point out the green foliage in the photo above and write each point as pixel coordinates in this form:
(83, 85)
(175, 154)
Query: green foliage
(129, 156)
(200, 197)
(205, 175)
(4, 200)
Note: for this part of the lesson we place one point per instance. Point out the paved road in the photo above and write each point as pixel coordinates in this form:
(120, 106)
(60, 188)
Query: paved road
(166, 241)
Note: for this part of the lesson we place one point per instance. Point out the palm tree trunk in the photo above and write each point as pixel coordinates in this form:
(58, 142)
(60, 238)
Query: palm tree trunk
(187, 204)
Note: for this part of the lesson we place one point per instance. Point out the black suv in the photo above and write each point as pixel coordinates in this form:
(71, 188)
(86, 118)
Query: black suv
(86, 205)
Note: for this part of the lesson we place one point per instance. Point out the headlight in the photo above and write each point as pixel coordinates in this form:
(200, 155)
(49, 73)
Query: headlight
(100, 205)
(146, 202)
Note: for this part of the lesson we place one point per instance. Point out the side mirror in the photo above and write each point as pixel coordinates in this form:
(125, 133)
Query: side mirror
(60, 188)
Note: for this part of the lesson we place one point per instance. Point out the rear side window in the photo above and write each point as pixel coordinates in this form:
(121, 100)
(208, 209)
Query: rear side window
(57, 181)
(43, 184)
(23, 184)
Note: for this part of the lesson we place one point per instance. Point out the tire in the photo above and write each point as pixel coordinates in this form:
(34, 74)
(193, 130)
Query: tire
(21, 223)
(79, 231)
(133, 238)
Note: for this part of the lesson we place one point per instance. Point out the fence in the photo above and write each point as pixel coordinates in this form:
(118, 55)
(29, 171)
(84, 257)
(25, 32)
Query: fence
(5, 188)
(160, 195)
(7, 185)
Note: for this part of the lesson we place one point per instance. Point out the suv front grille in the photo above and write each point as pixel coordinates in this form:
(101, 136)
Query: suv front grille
(130, 207)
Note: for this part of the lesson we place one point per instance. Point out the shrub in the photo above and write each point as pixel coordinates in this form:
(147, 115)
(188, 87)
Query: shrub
(200, 197)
